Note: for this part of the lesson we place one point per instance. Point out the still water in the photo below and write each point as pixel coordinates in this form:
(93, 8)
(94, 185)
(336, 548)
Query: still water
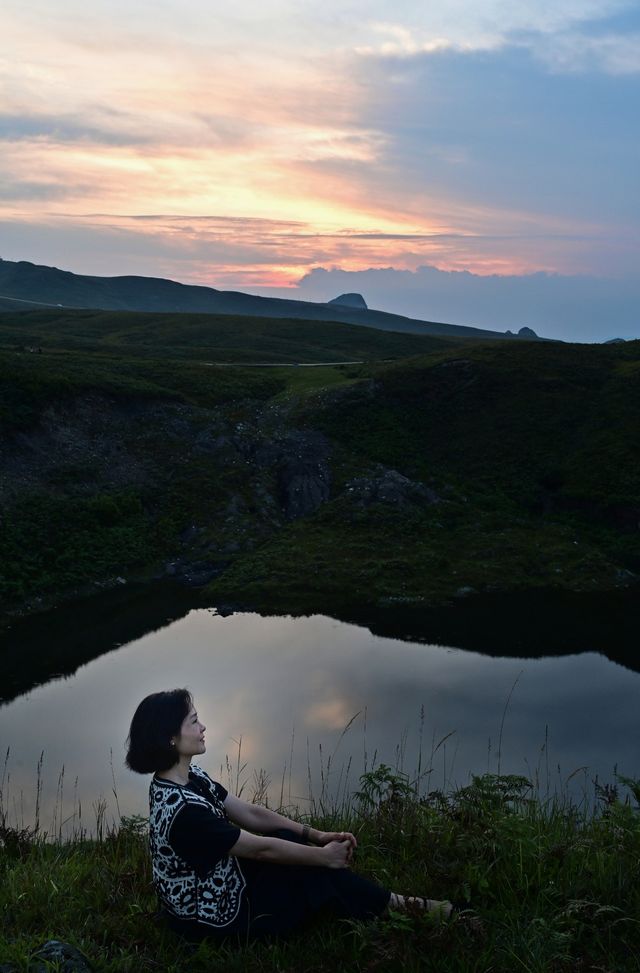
(276, 694)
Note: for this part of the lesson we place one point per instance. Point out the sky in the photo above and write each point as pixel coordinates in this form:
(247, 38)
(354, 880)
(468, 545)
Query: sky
(467, 160)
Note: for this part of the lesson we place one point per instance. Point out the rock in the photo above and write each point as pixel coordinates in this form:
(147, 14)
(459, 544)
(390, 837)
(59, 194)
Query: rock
(625, 576)
(234, 508)
(208, 442)
(195, 574)
(303, 475)
(225, 611)
(299, 461)
(304, 486)
(463, 363)
(68, 958)
(189, 534)
(390, 487)
(350, 300)
(527, 333)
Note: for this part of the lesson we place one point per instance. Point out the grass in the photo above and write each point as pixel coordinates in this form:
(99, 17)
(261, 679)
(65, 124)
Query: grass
(557, 884)
(219, 337)
(332, 560)
(32, 382)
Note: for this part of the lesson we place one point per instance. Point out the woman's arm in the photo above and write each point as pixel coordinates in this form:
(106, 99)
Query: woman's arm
(335, 854)
(258, 818)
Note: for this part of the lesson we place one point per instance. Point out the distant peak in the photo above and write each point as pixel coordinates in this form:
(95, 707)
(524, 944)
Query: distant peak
(527, 333)
(350, 300)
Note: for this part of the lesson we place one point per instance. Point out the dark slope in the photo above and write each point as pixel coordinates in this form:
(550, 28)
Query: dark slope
(207, 337)
(513, 466)
(47, 285)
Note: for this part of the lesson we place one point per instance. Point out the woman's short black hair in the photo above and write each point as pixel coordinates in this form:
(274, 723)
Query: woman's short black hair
(158, 718)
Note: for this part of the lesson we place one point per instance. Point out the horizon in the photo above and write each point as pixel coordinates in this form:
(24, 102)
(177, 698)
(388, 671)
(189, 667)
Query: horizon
(281, 150)
(486, 317)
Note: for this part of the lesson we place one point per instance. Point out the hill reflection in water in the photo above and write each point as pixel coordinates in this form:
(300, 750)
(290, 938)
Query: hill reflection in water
(526, 624)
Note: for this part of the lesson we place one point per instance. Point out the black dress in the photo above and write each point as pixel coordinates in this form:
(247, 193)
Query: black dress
(276, 899)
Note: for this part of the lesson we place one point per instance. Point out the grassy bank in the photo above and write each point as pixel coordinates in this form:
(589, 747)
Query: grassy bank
(556, 884)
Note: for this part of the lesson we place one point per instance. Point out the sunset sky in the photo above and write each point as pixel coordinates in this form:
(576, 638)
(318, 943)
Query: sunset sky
(300, 148)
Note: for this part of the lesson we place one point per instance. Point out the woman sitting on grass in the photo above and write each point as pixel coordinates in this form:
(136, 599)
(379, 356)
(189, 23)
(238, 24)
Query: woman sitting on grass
(224, 867)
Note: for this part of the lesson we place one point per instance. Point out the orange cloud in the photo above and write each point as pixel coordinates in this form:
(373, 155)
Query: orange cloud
(196, 111)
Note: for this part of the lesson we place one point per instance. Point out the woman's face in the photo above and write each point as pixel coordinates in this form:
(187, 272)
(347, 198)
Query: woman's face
(191, 738)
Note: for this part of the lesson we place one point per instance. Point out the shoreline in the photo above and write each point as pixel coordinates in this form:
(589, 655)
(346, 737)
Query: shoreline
(517, 624)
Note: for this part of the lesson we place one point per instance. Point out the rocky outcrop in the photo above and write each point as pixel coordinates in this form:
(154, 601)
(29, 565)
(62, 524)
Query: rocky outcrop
(304, 478)
(523, 333)
(390, 487)
(297, 459)
(133, 465)
(93, 442)
(350, 300)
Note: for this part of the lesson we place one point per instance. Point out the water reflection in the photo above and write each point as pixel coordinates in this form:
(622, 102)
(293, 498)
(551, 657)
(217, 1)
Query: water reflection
(287, 687)
(524, 624)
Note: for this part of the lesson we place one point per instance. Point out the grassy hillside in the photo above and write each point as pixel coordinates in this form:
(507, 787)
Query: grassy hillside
(531, 460)
(474, 467)
(219, 337)
(538, 422)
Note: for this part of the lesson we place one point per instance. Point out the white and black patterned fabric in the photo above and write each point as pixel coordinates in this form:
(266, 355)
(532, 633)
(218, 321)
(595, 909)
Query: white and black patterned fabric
(206, 894)
(211, 895)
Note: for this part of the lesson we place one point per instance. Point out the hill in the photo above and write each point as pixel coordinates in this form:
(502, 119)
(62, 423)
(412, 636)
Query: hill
(24, 281)
(224, 338)
(472, 467)
(508, 468)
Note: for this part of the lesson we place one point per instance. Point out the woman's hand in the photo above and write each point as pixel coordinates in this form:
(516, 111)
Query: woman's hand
(337, 854)
(323, 838)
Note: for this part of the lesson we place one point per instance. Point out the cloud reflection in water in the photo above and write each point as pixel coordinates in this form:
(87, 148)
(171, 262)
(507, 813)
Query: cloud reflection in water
(262, 680)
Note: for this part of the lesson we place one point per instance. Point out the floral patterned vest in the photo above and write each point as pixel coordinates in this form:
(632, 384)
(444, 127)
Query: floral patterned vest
(214, 899)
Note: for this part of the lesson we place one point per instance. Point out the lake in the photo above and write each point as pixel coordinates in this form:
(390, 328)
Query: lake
(276, 694)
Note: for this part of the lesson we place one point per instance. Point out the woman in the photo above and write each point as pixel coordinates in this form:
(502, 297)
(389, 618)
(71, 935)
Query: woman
(224, 867)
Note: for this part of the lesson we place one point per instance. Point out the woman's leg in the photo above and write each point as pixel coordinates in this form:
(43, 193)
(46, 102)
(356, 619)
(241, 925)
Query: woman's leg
(347, 894)
(372, 897)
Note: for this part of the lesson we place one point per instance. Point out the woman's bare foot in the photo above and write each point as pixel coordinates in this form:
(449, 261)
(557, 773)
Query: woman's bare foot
(441, 908)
